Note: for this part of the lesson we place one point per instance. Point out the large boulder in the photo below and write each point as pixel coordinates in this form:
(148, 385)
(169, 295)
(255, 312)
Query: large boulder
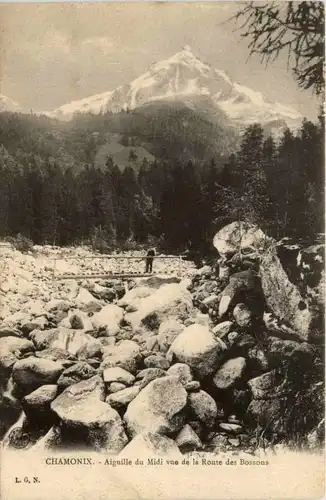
(139, 292)
(239, 236)
(37, 403)
(150, 444)
(230, 373)
(158, 408)
(88, 421)
(108, 319)
(11, 349)
(171, 300)
(198, 347)
(75, 342)
(283, 298)
(121, 399)
(203, 407)
(33, 372)
(86, 302)
(243, 286)
(75, 373)
(126, 354)
(168, 332)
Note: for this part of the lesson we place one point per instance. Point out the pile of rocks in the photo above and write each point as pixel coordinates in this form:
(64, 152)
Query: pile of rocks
(161, 366)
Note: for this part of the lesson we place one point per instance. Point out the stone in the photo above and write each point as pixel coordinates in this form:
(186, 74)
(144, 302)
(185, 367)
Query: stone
(126, 354)
(231, 428)
(121, 399)
(7, 331)
(58, 305)
(86, 420)
(168, 332)
(239, 236)
(156, 361)
(117, 374)
(169, 300)
(32, 372)
(149, 444)
(158, 408)
(56, 354)
(242, 315)
(197, 347)
(86, 302)
(193, 386)
(283, 298)
(187, 440)
(39, 400)
(151, 374)
(116, 387)
(204, 408)
(182, 371)
(108, 319)
(243, 286)
(139, 292)
(76, 342)
(222, 329)
(11, 349)
(230, 373)
(262, 386)
(75, 373)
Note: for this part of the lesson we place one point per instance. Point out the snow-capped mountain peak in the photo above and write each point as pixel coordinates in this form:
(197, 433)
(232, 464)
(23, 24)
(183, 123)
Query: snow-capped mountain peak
(185, 77)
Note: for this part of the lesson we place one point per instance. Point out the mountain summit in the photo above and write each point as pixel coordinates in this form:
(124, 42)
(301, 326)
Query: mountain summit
(185, 78)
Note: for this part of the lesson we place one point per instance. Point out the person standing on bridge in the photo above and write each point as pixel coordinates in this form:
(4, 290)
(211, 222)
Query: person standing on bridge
(149, 260)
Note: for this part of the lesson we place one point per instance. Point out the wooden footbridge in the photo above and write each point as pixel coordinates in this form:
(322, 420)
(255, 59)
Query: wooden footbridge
(114, 266)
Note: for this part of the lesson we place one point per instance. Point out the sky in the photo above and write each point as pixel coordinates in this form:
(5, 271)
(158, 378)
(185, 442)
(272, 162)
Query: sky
(52, 54)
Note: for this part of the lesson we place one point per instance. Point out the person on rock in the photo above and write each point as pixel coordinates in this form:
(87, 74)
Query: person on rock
(149, 260)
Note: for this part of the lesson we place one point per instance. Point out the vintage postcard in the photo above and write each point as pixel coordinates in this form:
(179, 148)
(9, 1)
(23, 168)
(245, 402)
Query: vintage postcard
(162, 250)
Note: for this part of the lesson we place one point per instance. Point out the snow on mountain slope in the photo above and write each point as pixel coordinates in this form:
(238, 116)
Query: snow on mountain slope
(7, 104)
(181, 78)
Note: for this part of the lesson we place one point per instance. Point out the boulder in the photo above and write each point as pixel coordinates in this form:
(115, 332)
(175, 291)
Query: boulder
(149, 444)
(239, 236)
(121, 399)
(203, 407)
(156, 361)
(108, 319)
(230, 373)
(117, 374)
(38, 401)
(116, 387)
(11, 349)
(150, 374)
(77, 320)
(8, 331)
(169, 300)
(76, 342)
(244, 286)
(33, 372)
(222, 329)
(168, 332)
(139, 292)
(86, 302)
(158, 408)
(126, 354)
(242, 315)
(182, 371)
(199, 348)
(75, 373)
(261, 387)
(187, 440)
(283, 298)
(56, 354)
(193, 386)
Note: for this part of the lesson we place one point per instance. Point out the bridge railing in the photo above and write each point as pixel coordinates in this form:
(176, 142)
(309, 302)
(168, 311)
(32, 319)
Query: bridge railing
(115, 266)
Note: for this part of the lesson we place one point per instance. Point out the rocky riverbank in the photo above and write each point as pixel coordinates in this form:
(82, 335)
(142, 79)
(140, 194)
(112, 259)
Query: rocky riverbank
(225, 357)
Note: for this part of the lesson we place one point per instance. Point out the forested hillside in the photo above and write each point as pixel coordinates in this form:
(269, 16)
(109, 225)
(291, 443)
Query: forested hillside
(51, 190)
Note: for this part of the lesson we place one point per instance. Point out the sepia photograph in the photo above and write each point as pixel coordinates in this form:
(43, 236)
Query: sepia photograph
(162, 268)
